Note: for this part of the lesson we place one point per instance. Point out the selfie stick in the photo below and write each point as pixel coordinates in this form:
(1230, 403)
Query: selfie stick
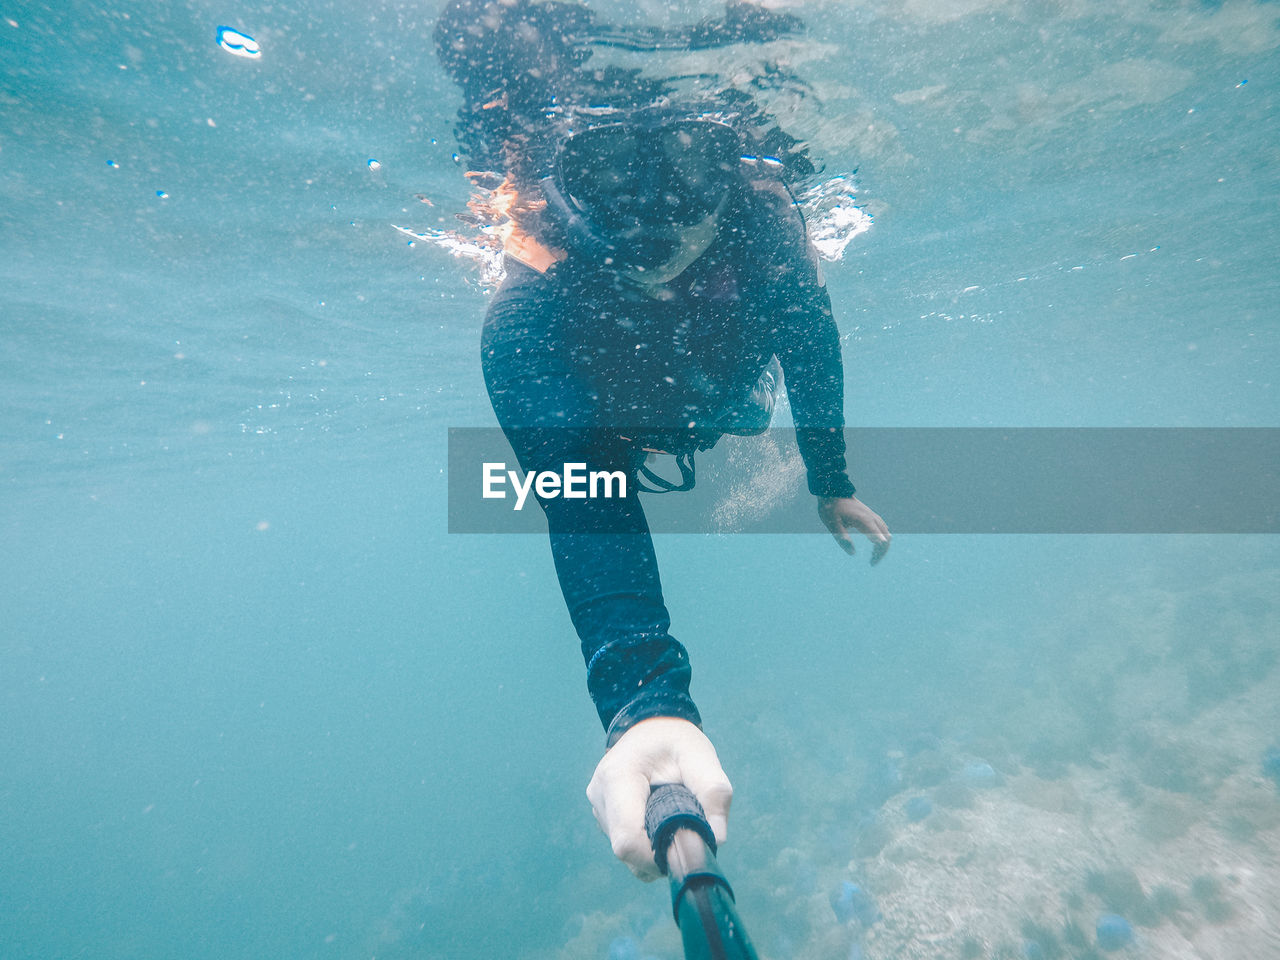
(701, 899)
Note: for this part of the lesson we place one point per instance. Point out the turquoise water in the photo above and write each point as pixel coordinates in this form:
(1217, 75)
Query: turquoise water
(257, 702)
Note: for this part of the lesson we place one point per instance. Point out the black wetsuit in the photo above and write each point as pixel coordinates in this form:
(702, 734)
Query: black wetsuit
(581, 365)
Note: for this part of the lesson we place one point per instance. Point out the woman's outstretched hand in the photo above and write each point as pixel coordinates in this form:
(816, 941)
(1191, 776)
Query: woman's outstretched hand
(841, 515)
(654, 751)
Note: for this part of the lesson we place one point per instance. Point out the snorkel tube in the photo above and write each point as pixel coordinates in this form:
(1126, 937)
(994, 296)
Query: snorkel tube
(701, 899)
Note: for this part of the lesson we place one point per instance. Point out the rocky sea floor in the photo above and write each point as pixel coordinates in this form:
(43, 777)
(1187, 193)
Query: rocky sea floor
(1122, 800)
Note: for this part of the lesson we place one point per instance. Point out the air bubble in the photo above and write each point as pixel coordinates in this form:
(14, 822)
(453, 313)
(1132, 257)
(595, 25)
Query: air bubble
(238, 44)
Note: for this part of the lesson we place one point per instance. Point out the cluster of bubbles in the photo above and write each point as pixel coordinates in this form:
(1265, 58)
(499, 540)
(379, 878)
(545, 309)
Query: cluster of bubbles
(481, 250)
(833, 217)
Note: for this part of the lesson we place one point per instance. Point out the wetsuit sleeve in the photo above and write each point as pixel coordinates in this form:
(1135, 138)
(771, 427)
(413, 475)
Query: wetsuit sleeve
(807, 343)
(815, 385)
(601, 546)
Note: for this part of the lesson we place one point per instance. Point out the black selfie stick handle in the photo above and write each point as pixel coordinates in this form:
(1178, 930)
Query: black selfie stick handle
(670, 807)
(684, 847)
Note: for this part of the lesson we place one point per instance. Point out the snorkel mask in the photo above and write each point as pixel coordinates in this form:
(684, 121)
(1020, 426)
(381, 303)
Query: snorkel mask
(644, 196)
